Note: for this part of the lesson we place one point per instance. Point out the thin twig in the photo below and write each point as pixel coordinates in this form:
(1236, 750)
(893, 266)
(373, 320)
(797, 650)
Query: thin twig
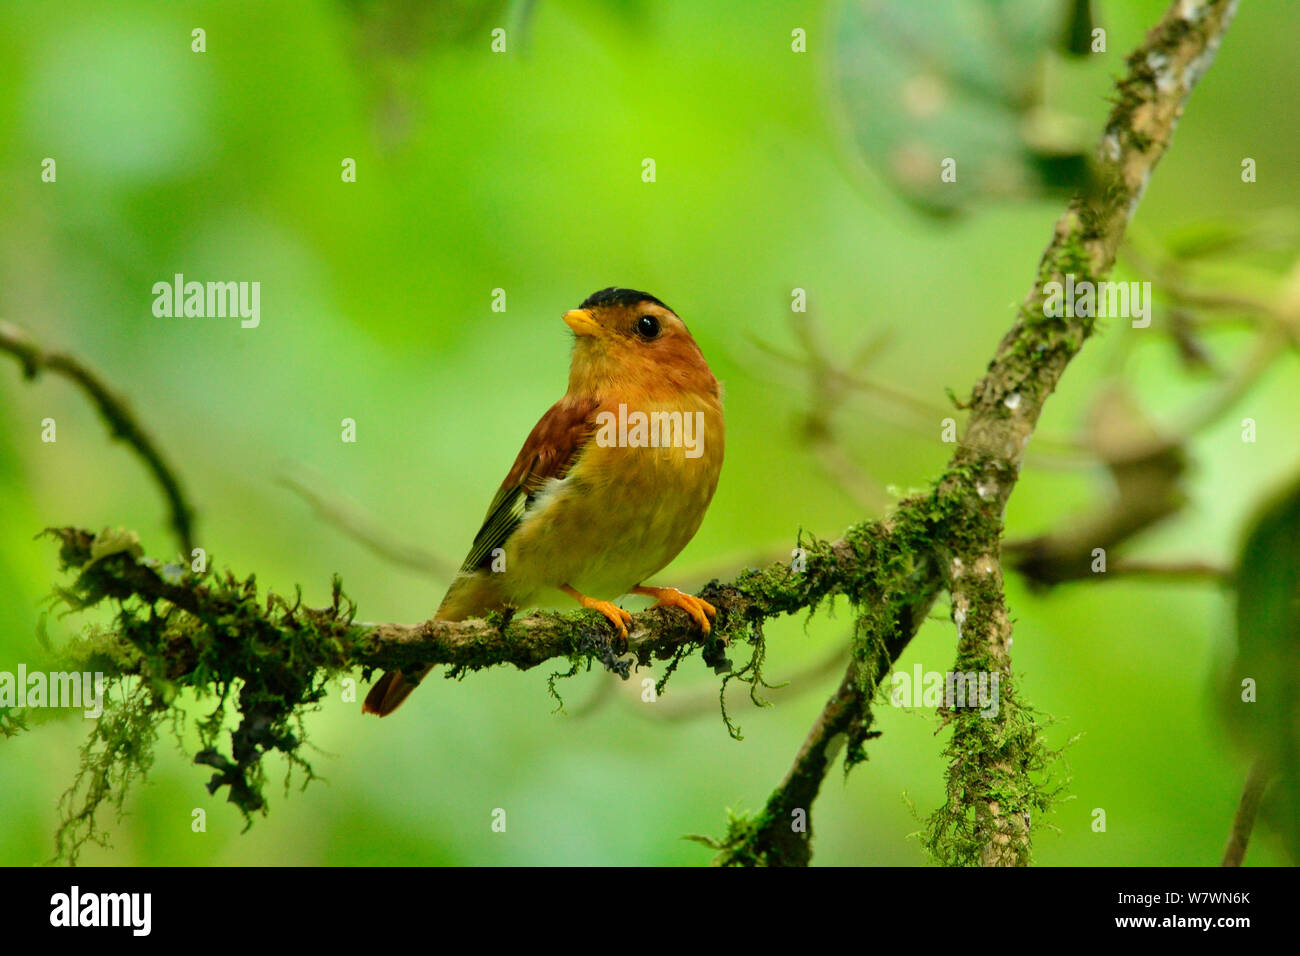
(1194, 571)
(362, 529)
(1243, 822)
(117, 416)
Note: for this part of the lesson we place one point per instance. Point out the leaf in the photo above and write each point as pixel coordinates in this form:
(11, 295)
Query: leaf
(1268, 653)
(1244, 234)
(956, 79)
(1077, 37)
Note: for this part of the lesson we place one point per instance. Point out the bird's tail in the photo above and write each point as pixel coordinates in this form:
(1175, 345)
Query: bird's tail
(390, 690)
(470, 595)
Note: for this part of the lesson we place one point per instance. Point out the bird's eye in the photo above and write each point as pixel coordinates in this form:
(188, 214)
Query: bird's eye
(647, 327)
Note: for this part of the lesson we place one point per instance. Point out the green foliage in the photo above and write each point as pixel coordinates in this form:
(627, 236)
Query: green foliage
(921, 83)
(1266, 718)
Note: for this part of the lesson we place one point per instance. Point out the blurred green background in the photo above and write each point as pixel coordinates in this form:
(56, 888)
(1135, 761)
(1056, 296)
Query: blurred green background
(522, 171)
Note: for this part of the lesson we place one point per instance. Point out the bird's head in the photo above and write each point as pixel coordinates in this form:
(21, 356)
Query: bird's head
(625, 339)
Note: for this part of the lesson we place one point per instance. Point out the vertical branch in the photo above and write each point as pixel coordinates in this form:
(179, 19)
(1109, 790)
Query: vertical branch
(782, 834)
(1243, 822)
(991, 797)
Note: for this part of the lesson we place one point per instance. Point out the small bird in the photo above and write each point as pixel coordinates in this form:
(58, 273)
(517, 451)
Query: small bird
(610, 485)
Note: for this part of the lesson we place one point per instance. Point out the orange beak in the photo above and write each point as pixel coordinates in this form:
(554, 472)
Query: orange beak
(582, 322)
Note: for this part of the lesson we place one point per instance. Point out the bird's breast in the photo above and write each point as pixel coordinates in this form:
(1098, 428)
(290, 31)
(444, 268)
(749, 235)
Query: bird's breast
(629, 504)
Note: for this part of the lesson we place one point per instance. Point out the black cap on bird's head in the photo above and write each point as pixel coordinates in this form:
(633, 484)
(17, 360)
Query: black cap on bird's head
(619, 297)
(623, 310)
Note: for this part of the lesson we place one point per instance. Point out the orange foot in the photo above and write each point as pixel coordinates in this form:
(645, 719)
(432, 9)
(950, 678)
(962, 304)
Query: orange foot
(617, 616)
(698, 608)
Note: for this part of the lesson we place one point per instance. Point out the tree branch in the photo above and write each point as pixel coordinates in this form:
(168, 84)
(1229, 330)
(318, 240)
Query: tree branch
(117, 416)
(1243, 822)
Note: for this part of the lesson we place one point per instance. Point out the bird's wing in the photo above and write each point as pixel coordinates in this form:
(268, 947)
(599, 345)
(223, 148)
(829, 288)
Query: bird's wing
(550, 450)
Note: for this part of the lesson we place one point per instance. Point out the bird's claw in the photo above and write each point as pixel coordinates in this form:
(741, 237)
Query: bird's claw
(700, 610)
(616, 615)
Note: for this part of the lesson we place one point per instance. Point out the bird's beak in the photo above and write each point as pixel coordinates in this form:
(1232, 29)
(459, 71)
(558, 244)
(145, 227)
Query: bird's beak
(581, 321)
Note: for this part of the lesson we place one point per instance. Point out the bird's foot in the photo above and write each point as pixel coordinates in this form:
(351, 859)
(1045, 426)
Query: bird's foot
(698, 608)
(617, 616)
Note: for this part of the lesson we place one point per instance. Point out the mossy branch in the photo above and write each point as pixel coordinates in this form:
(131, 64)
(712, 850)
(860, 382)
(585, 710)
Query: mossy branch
(216, 635)
(992, 794)
(186, 600)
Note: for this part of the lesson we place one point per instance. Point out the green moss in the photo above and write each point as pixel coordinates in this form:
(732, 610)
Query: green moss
(891, 583)
(997, 764)
(264, 661)
(751, 674)
(738, 847)
(763, 839)
(12, 721)
(575, 663)
(118, 753)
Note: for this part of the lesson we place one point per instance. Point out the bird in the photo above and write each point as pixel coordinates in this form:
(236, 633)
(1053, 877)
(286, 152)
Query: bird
(609, 486)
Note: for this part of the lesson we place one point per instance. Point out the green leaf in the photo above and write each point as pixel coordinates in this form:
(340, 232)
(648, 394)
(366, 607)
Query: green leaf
(1243, 234)
(1077, 37)
(1268, 658)
(956, 79)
